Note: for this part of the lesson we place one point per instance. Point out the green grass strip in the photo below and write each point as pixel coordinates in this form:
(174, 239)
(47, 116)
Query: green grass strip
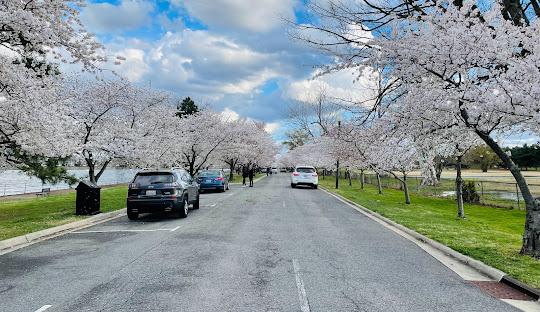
(19, 216)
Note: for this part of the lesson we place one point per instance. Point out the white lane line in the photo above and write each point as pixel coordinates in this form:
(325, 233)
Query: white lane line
(43, 308)
(283, 203)
(304, 304)
(213, 205)
(114, 231)
(176, 228)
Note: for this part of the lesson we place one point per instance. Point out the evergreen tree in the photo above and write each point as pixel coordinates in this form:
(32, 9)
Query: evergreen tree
(187, 107)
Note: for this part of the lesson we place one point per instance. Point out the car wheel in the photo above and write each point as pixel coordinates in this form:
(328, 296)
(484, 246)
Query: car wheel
(315, 186)
(196, 203)
(132, 215)
(183, 210)
(293, 185)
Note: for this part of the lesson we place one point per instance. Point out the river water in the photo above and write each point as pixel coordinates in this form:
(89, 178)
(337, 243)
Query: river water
(16, 182)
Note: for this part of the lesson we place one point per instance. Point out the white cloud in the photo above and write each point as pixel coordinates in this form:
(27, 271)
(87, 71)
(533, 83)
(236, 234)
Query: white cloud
(210, 64)
(253, 16)
(271, 127)
(349, 85)
(230, 115)
(110, 18)
(134, 67)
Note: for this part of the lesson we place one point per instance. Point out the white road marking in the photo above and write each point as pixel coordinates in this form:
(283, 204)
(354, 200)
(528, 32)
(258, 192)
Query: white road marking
(43, 308)
(114, 231)
(213, 205)
(176, 228)
(283, 203)
(304, 304)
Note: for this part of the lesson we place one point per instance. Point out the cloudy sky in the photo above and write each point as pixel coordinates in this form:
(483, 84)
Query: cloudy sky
(235, 55)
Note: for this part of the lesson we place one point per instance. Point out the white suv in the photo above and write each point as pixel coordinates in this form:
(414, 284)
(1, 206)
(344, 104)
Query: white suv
(304, 175)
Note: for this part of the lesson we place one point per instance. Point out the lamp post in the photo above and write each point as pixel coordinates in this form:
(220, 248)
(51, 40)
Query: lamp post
(337, 158)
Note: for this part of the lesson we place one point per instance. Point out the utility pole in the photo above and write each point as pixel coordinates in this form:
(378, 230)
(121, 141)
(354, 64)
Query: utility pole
(337, 158)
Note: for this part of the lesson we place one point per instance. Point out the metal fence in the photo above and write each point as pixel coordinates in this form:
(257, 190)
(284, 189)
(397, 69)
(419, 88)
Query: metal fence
(492, 193)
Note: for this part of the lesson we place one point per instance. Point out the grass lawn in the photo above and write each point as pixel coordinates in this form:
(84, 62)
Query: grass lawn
(25, 215)
(491, 235)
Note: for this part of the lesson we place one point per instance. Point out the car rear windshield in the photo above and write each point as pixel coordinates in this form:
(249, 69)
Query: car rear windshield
(153, 178)
(305, 170)
(209, 173)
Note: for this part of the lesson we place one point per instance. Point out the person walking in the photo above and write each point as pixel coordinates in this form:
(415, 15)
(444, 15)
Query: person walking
(267, 171)
(251, 174)
(245, 174)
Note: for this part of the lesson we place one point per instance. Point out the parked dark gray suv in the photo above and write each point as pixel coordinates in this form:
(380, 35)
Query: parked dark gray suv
(162, 191)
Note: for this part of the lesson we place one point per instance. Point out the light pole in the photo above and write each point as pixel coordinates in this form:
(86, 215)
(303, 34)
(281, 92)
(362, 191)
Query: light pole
(337, 158)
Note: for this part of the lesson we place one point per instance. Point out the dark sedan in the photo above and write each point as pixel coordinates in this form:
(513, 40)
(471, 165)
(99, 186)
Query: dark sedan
(213, 180)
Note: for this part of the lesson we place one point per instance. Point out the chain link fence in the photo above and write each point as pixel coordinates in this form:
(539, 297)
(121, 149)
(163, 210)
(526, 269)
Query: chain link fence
(492, 193)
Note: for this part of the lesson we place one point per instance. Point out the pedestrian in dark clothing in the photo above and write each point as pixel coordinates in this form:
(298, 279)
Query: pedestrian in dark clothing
(267, 171)
(251, 174)
(245, 174)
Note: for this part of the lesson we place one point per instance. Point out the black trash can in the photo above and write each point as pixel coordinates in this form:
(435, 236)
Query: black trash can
(88, 198)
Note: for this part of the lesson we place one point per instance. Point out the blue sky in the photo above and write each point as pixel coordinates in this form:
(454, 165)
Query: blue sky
(233, 55)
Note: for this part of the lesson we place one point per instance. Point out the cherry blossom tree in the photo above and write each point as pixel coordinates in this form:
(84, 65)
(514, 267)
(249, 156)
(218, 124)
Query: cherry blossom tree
(36, 38)
(486, 82)
(110, 120)
(249, 144)
(457, 66)
(192, 141)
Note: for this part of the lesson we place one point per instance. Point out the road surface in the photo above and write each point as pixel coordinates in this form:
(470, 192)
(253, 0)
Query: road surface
(267, 248)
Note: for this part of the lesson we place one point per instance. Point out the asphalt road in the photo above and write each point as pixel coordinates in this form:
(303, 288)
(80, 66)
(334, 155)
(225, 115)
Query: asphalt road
(267, 248)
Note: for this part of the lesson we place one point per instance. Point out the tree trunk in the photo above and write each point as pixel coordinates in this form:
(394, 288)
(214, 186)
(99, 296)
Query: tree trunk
(96, 178)
(91, 174)
(379, 186)
(91, 167)
(337, 174)
(350, 179)
(362, 179)
(438, 168)
(406, 189)
(531, 234)
(231, 167)
(459, 188)
(192, 167)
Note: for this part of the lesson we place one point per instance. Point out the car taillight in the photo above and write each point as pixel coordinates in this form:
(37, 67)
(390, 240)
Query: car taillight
(295, 174)
(133, 185)
(314, 174)
(219, 179)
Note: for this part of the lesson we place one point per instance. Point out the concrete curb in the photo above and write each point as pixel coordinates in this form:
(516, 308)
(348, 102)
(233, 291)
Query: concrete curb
(15, 243)
(481, 267)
